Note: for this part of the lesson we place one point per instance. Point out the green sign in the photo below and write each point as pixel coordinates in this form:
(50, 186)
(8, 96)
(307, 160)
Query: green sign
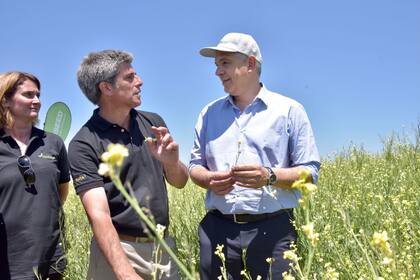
(58, 120)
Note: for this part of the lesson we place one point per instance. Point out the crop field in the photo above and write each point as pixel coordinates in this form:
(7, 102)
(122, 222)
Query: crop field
(365, 217)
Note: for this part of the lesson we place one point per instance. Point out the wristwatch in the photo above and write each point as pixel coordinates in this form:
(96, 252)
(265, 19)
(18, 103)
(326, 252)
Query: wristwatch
(272, 178)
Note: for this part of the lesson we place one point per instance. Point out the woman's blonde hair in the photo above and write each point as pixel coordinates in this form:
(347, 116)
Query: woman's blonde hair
(9, 82)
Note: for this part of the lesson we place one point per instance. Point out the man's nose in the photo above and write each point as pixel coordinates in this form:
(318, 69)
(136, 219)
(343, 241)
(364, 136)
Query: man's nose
(219, 71)
(139, 81)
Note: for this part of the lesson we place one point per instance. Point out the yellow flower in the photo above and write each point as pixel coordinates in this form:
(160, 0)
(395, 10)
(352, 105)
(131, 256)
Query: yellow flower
(302, 185)
(309, 187)
(331, 273)
(310, 233)
(103, 169)
(219, 252)
(287, 276)
(115, 155)
(269, 260)
(290, 255)
(380, 240)
(308, 229)
(302, 202)
(298, 184)
(387, 261)
(160, 230)
(304, 174)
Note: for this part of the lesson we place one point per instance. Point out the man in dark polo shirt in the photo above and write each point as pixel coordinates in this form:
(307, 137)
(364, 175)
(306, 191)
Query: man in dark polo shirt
(121, 248)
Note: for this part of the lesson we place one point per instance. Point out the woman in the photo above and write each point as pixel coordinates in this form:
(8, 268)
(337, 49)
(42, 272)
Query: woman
(34, 176)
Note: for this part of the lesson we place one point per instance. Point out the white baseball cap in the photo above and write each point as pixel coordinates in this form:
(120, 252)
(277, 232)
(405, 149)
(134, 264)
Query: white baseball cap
(235, 42)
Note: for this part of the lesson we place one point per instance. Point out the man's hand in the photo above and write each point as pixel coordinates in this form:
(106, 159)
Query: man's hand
(166, 150)
(163, 147)
(250, 175)
(221, 182)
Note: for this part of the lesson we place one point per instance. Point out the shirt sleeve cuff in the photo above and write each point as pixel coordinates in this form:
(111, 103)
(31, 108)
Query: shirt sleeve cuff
(313, 167)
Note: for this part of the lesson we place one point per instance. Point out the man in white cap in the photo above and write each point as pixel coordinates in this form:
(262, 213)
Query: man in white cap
(249, 148)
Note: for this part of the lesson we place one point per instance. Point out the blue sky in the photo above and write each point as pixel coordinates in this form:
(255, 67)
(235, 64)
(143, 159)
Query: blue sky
(354, 65)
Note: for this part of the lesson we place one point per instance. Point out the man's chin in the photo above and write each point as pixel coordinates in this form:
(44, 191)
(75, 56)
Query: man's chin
(137, 103)
(226, 89)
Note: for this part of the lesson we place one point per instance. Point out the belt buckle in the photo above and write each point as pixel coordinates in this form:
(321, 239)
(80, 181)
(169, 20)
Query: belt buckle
(236, 221)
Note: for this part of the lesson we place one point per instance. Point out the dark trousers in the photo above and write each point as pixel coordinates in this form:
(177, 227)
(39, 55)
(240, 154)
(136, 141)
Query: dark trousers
(261, 240)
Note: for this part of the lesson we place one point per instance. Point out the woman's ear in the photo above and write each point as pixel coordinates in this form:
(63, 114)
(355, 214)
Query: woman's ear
(5, 103)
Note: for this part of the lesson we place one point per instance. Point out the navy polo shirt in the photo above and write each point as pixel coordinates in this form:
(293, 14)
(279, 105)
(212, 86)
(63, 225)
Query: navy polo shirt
(29, 215)
(140, 169)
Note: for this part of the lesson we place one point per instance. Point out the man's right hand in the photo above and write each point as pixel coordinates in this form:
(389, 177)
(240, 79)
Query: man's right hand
(221, 182)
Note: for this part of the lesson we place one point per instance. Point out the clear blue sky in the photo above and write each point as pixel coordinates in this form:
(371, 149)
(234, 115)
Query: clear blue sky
(354, 65)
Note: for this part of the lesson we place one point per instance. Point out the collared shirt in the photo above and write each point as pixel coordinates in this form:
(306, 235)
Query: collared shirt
(273, 131)
(29, 215)
(140, 169)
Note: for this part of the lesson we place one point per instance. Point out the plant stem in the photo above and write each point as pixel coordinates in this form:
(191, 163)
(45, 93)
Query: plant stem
(311, 249)
(133, 202)
(365, 253)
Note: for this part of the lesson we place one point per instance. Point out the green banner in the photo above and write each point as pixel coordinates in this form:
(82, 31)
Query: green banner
(58, 120)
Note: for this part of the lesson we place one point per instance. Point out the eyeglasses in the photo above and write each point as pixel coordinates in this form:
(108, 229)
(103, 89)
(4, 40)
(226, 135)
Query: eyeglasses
(24, 163)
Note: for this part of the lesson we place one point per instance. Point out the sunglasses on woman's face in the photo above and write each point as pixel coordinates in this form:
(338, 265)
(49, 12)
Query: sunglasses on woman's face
(24, 163)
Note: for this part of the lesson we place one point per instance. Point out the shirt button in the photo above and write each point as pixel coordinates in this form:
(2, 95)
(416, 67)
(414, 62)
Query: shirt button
(122, 129)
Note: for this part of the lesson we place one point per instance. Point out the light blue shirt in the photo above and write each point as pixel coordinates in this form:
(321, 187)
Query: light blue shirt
(273, 131)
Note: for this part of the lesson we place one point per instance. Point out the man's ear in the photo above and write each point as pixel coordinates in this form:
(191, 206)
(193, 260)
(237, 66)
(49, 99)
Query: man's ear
(252, 63)
(105, 87)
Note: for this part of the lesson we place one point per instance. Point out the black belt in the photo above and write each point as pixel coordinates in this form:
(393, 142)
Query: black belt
(249, 218)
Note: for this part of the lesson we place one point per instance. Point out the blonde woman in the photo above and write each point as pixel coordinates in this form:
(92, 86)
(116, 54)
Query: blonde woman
(34, 180)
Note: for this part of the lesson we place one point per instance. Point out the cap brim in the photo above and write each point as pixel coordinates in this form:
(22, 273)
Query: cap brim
(211, 51)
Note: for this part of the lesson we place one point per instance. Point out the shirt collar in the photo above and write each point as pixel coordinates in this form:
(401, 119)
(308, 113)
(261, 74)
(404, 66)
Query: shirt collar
(262, 95)
(103, 124)
(35, 133)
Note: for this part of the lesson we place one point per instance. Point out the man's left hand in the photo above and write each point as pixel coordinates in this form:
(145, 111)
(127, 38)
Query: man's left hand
(250, 175)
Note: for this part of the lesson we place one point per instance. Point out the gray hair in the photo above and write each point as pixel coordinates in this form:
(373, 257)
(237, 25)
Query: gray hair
(99, 67)
(244, 58)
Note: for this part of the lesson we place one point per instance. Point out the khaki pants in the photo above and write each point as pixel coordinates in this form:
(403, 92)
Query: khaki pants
(140, 257)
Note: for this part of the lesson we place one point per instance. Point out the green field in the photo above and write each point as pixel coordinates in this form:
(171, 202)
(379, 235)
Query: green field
(359, 193)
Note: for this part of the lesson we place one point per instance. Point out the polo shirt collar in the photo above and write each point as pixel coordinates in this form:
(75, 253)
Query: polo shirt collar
(103, 124)
(35, 133)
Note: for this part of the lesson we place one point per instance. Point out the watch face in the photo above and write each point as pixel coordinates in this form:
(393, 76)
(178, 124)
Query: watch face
(272, 178)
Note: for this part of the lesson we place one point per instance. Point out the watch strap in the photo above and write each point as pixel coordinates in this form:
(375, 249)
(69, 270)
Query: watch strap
(271, 176)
